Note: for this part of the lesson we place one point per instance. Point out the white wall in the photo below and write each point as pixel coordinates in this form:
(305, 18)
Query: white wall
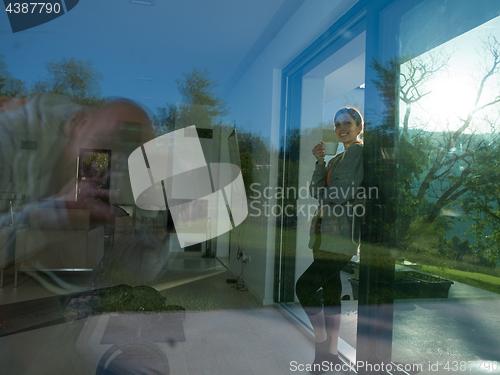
(255, 104)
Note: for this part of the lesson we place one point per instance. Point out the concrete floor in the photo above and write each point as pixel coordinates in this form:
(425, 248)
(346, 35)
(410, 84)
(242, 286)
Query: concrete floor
(238, 336)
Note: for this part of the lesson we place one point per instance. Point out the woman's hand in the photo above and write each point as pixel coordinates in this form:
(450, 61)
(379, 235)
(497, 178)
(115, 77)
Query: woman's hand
(319, 153)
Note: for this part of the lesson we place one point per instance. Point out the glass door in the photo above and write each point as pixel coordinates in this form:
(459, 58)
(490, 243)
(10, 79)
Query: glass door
(317, 85)
(427, 285)
(430, 276)
(335, 83)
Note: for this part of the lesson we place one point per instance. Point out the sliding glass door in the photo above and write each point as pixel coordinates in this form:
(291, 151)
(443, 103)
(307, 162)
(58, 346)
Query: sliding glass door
(316, 86)
(439, 83)
(423, 293)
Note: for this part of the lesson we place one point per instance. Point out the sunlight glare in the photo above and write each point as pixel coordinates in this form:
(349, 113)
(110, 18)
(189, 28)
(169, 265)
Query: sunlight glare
(450, 93)
(450, 97)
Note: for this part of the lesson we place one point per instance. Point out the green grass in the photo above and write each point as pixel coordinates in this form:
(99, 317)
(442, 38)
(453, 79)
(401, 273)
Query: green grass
(478, 280)
(432, 258)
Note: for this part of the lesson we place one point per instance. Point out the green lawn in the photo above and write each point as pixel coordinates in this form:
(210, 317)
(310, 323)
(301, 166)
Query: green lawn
(478, 280)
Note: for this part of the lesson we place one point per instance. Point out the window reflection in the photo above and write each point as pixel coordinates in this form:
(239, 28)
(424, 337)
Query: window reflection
(449, 137)
(446, 248)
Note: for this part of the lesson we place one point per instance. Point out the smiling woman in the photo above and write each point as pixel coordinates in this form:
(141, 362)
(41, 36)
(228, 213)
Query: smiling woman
(331, 236)
(348, 126)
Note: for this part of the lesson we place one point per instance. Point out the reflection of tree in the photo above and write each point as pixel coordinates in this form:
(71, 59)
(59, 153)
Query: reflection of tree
(9, 85)
(202, 106)
(95, 165)
(482, 203)
(12, 88)
(413, 79)
(457, 248)
(433, 166)
(74, 78)
(164, 119)
(254, 155)
(290, 158)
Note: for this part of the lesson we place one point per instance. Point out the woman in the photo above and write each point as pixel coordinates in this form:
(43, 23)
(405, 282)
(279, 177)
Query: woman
(335, 186)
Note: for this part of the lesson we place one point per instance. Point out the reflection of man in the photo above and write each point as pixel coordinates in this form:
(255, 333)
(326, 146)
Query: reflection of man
(25, 162)
(104, 129)
(40, 142)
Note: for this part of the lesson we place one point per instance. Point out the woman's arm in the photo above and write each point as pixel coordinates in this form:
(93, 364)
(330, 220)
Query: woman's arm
(318, 180)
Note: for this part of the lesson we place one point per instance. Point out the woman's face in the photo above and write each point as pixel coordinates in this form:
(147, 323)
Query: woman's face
(346, 129)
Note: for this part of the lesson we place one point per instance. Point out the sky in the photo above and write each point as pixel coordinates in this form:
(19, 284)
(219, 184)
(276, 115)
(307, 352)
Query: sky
(453, 91)
(141, 49)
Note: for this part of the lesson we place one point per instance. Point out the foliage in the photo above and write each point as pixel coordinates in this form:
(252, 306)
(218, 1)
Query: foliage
(120, 298)
(254, 156)
(456, 248)
(74, 78)
(433, 166)
(95, 166)
(164, 119)
(125, 298)
(201, 105)
(197, 88)
(9, 85)
(289, 156)
(482, 203)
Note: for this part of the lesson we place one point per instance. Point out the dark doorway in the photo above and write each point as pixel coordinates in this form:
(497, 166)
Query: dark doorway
(94, 174)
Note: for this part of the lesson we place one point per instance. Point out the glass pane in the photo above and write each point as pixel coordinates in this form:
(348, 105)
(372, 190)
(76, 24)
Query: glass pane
(125, 167)
(335, 83)
(447, 279)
